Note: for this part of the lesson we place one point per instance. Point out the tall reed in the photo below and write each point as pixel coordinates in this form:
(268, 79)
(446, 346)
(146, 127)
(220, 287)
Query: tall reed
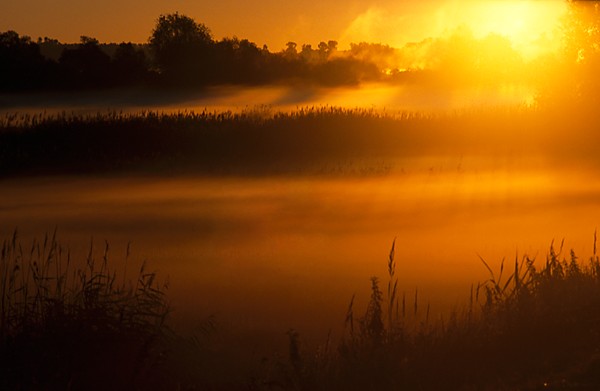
(76, 324)
(531, 327)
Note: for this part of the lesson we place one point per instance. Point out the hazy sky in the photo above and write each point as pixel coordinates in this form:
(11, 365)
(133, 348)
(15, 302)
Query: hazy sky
(274, 22)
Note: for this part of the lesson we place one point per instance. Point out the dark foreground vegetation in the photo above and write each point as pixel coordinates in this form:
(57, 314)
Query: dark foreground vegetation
(77, 324)
(530, 326)
(68, 325)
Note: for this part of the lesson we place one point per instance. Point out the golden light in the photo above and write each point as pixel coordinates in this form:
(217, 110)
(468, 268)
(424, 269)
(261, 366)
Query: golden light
(530, 25)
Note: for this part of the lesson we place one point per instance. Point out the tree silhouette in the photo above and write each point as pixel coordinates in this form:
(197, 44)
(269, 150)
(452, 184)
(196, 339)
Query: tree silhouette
(327, 49)
(21, 64)
(291, 50)
(181, 47)
(240, 61)
(87, 65)
(129, 65)
(579, 81)
(308, 54)
(183, 55)
(332, 46)
(581, 30)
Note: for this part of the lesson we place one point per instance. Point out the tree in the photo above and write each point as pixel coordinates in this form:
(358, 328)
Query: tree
(308, 54)
(239, 61)
(332, 46)
(326, 50)
(87, 65)
(579, 80)
(291, 50)
(181, 47)
(21, 64)
(581, 30)
(129, 64)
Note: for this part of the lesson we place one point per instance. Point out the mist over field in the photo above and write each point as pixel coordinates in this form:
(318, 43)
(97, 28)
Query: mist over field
(210, 213)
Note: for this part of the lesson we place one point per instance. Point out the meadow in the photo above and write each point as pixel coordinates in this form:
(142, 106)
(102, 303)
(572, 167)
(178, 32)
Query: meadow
(68, 319)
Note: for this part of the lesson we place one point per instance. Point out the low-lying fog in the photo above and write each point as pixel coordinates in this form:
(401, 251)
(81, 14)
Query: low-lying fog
(266, 254)
(269, 254)
(409, 97)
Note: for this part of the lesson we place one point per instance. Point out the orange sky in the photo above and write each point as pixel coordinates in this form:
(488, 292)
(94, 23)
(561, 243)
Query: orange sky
(274, 22)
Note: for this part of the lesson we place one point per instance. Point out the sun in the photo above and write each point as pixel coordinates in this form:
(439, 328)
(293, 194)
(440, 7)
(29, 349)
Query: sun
(530, 25)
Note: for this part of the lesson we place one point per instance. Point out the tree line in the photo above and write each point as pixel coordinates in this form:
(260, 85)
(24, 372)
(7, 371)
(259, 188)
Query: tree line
(179, 53)
(182, 53)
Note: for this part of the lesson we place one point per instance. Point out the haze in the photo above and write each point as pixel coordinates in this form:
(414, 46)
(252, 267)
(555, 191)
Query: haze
(529, 24)
(269, 183)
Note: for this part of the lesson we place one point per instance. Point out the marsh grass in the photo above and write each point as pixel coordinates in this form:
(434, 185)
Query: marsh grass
(72, 324)
(258, 141)
(528, 328)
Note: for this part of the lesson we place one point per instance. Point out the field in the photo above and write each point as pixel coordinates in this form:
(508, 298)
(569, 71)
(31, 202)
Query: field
(68, 320)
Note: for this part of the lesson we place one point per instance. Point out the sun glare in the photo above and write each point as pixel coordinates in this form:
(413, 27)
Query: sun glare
(529, 24)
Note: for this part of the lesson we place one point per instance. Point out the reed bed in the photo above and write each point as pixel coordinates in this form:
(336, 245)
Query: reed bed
(257, 141)
(533, 327)
(72, 324)
(77, 324)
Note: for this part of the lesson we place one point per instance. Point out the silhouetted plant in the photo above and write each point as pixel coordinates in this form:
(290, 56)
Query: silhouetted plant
(528, 328)
(66, 324)
(181, 47)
